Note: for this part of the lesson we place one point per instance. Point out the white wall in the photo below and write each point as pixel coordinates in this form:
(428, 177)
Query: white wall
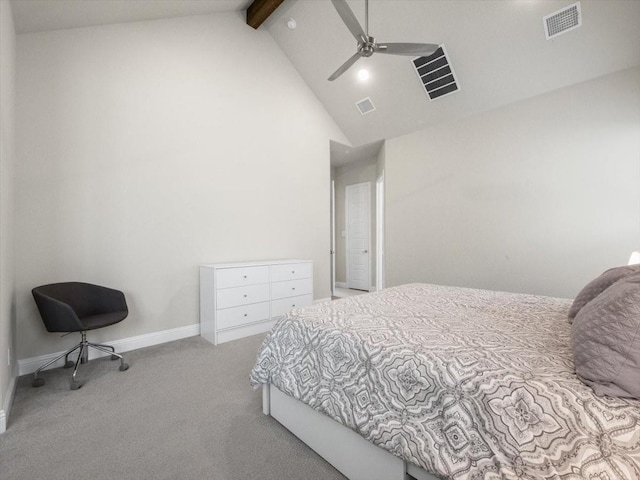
(539, 196)
(380, 161)
(147, 149)
(7, 149)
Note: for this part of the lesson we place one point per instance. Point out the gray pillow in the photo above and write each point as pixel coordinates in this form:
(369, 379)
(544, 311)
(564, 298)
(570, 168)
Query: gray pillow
(600, 284)
(606, 340)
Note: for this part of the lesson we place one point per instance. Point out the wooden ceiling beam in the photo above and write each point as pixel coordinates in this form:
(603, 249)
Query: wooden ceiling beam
(260, 10)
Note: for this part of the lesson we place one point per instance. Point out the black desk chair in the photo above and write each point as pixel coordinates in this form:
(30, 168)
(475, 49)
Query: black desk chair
(79, 307)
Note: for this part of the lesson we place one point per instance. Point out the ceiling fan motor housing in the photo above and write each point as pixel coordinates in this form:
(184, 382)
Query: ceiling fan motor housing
(367, 47)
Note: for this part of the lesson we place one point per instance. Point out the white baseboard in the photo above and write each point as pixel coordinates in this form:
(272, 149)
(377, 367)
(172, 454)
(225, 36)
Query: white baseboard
(6, 406)
(320, 300)
(30, 365)
(372, 288)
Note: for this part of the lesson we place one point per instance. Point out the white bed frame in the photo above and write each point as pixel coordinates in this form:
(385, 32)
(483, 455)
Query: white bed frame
(355, 457)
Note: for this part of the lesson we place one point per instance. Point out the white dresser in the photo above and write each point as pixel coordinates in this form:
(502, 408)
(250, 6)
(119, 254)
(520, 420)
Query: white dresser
(242, 299)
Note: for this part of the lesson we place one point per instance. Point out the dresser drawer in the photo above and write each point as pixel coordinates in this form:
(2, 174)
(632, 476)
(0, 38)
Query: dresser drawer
(291, 288)
(282, 306)
(239, 276)
(291, 271)
(234, 297)
(237, 316)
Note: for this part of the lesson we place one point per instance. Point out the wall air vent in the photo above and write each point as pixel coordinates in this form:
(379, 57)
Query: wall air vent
(436, 74)
(562, 21)
(365, 106)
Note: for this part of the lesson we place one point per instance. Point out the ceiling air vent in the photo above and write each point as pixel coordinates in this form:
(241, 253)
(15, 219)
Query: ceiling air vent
(436, 74)
(562, 21)
(365, 106)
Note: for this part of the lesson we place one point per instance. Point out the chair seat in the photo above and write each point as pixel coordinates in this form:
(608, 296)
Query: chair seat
(92, 322)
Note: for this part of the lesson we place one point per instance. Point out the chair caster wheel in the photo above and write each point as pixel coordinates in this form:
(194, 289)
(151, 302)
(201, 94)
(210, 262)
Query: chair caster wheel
(114, 357)
(38, 382)
(124, 367)
(69, 364)
(76, 385)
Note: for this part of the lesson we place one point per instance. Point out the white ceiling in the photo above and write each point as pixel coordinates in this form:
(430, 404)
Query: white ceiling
(497, 48)
(343, 154)
(42, 15)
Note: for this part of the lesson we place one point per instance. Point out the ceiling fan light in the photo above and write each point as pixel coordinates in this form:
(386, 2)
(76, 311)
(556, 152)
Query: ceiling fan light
(363, 75)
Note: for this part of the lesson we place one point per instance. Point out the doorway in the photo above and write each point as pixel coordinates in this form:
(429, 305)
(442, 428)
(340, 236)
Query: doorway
(358, 238)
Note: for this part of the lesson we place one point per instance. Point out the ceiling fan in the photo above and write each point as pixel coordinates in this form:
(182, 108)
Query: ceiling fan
(367, 45)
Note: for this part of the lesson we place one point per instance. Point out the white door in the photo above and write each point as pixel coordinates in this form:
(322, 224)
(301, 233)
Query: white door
(358, 219)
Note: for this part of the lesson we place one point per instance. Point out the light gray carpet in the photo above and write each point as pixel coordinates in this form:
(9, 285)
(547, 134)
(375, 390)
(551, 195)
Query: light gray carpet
(184, 410)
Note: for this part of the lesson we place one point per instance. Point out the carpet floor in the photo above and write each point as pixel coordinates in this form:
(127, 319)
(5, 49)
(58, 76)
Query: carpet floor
(184, 410)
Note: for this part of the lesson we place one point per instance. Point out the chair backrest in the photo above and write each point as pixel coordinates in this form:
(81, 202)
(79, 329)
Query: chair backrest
(75, 294)
(62, 305)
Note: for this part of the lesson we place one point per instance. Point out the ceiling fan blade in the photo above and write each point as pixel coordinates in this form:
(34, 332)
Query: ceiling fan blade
(345, 66)
(411, 49)
(349, 19)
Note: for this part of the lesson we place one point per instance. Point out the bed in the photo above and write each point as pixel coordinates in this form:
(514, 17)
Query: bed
(444, 382)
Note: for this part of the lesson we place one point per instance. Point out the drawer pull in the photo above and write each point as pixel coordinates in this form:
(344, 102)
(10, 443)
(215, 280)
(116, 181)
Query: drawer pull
(293, 305)
(244, 276)
(245, 314)
(293, 288)
(293, 271)
(245, 295)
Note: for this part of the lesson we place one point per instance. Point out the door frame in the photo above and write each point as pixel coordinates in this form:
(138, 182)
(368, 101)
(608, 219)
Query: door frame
(380, 273)
(333, 237)
(346, 221)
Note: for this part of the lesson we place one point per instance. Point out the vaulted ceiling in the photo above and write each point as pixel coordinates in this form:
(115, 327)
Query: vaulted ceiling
(497, 48)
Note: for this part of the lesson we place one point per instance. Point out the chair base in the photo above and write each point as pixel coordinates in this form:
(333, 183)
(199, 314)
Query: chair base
(83, 357)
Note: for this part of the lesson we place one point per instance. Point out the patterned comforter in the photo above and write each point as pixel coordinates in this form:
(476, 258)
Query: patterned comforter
(467, 384)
